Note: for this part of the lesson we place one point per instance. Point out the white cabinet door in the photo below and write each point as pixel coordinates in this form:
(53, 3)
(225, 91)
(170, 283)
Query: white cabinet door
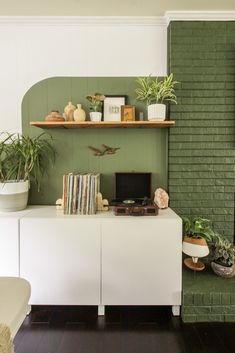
(9, 246)
(141, 261)
(61, 259)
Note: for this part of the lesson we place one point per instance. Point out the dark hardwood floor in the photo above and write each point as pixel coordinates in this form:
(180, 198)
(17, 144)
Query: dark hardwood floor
(122, 330)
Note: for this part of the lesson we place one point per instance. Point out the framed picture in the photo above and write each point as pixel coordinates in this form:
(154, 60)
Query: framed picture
(112, 107)
(127, 112)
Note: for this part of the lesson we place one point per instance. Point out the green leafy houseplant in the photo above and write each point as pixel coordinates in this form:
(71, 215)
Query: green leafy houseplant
(23, 158)
(223, 252)
(198, 228)
(96, 101)
(197, 232)
(153, 91)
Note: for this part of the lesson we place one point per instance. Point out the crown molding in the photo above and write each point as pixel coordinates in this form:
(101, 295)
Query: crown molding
(71, 21)
(132, 21)
(199, 16)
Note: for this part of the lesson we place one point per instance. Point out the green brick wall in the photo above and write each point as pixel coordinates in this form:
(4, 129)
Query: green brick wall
(202, 144)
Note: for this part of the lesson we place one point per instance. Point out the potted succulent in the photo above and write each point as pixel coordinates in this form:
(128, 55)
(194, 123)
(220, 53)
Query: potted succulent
(22, 159)
(96, 101)
(223, 257)
(197, 232)
(155, 93)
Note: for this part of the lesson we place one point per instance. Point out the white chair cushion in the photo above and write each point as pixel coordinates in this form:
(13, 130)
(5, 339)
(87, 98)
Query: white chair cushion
(14, 298)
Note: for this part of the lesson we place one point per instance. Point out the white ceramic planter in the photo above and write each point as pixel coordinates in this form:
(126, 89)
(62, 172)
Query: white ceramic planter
(195, 247)
(157, 112)
(95, 116)
(13, 195)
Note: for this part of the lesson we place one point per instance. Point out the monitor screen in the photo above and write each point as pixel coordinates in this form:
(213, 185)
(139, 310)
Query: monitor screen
(133, 185)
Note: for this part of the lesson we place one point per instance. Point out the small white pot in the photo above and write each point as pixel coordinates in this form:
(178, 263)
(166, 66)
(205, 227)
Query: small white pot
(95, 116)
(13, 195)
(157, 112)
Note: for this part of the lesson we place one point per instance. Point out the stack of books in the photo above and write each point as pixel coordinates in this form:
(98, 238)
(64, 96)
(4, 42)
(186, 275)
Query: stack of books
(79, 193)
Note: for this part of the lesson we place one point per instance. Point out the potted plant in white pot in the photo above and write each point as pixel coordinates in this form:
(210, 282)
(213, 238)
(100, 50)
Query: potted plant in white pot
(22, 159)
(223, 257)
(155, 93)
(96, 101)
(197, 232)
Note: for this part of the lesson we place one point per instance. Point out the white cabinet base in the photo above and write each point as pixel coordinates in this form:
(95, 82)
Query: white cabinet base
(101, 310)
(176, 310)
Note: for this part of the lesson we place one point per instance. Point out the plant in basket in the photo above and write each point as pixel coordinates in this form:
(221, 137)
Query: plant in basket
(22, 159)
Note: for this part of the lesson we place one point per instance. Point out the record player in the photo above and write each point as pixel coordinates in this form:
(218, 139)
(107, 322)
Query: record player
(133, 195)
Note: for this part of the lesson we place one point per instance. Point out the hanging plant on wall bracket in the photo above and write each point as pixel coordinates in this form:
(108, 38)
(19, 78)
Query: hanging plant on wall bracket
(105, 150)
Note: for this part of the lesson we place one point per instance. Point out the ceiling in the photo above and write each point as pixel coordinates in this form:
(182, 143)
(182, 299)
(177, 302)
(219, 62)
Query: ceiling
(109, 7)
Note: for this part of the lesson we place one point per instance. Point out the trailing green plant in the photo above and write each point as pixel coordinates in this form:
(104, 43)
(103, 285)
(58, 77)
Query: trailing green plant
(96, 101)
(23, 157)
(153, 91)
(198, 228)
(223, 251)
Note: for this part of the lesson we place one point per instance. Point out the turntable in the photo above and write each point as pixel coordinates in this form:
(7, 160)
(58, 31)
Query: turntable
(133, 195)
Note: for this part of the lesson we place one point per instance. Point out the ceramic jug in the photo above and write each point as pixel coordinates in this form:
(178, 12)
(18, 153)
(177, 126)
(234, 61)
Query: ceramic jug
(79, 114)
(69, 110)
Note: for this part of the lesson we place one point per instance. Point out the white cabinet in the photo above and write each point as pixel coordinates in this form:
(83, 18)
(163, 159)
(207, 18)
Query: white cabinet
(9, 242)
(9, 247)
(141, 261)
(101, 259)
(60, 257)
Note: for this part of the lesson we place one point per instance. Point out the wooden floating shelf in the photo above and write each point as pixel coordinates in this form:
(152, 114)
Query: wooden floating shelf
(102, 124)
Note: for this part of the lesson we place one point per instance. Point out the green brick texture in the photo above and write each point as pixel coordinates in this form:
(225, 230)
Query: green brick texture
(202, 143)
(207, 297)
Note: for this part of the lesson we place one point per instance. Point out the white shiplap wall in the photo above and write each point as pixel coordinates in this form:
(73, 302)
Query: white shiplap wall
(34, 48)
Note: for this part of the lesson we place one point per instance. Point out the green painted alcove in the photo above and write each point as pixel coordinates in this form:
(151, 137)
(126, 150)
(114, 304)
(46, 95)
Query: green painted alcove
(142, 150)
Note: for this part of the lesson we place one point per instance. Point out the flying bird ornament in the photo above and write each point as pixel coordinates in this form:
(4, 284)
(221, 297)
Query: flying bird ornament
(106, 150)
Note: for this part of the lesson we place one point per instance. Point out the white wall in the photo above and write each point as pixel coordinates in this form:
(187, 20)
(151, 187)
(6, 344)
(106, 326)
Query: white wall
(32, 49)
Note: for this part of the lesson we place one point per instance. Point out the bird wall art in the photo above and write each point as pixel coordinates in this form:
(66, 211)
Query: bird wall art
(105, 150)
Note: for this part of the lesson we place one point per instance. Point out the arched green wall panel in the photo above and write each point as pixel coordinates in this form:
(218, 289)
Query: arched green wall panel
(140, 149)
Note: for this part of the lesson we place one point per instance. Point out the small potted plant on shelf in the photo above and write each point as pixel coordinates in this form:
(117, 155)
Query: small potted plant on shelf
(223, 257)
(197, 232)
(96, 102)
(22, 159)
(155, 93)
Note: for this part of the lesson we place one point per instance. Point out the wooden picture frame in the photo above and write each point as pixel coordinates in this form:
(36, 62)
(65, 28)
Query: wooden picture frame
(127, 113)
(112, 107)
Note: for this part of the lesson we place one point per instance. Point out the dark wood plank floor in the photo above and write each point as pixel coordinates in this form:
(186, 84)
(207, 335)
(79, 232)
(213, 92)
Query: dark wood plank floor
(122, 330)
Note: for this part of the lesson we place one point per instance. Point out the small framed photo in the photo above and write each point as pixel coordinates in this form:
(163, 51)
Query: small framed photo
(112, 107)
(127, 112)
